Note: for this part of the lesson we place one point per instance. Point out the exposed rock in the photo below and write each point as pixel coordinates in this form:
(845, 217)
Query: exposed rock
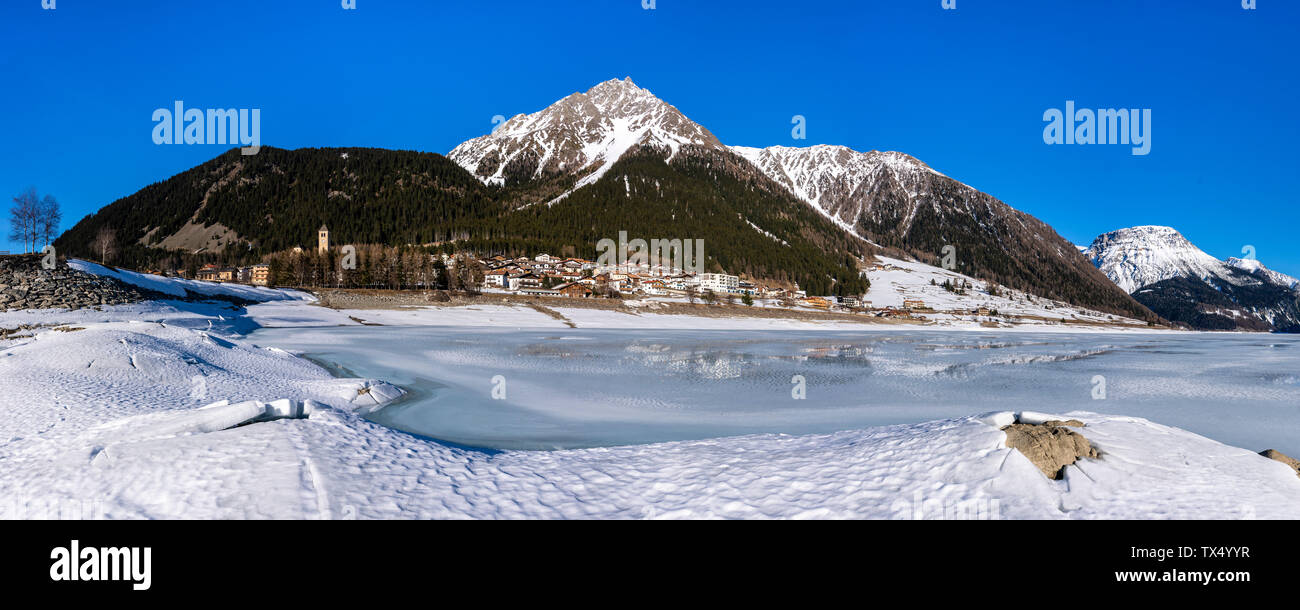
(1282, 457)
(1073, 423)
(1050, 446)
(25, 284)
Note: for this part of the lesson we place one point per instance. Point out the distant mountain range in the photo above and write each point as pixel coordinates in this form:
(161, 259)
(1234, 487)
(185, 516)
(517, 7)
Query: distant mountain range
(889, 200)
(1170, 275)
(610, 159)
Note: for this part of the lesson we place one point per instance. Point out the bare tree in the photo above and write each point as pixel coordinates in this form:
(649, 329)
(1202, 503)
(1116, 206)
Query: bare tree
(23, 216)
(105, 244)
(47, 219)
(469, 274)
(455, 279)
(33, 221)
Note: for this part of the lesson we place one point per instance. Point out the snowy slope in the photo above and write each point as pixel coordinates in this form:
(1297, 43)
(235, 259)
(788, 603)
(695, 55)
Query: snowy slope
(893, 199)
(882, 191)
(1257, 268)
(833, 179)
(583, 134)
(900, 280)
(180, 287)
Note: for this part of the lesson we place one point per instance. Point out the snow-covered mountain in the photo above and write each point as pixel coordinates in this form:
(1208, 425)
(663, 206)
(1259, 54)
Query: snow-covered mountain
(836, 180)
(1140, 256)
(896, 201)
(582, 135)
(1255, 267)
(1179, 281)
(889, 200)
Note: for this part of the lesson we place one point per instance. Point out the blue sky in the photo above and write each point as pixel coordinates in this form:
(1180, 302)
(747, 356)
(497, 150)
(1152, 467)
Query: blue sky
(963, 90)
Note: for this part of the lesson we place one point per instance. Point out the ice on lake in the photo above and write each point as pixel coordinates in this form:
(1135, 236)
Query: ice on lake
(548, 389)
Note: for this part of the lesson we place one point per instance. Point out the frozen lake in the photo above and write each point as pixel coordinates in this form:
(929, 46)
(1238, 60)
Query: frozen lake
(547, 389)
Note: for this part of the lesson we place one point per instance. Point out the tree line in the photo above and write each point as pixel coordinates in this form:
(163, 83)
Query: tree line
(374, 266)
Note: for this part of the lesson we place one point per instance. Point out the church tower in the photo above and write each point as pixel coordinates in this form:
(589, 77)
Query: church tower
(323, 240)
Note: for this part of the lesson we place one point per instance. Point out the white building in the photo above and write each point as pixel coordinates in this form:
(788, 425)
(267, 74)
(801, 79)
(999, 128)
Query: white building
(682, 282)
(719, 283)
(497, 278)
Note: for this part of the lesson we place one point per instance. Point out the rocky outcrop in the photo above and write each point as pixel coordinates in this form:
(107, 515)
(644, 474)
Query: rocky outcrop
(1282, 457)
(25, 284)
(1051, 446)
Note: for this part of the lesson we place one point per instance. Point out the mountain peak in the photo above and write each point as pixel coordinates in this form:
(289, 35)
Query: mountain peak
(1151, 230)
(616, 83)
(1146, 233)
(1143, 255)
(1162, 252)
(581, 135)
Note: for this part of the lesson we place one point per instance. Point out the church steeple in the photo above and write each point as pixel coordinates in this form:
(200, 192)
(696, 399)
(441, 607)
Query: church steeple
(323, 239)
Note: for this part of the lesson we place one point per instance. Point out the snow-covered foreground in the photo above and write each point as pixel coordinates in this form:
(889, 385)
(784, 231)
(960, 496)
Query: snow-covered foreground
(105, 420)
(110, 421)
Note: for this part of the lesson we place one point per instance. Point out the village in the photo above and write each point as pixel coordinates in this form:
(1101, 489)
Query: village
(548, 276)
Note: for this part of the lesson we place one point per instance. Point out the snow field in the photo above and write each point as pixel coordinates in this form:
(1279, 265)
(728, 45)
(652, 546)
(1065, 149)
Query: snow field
(181, 417)
(105, 415)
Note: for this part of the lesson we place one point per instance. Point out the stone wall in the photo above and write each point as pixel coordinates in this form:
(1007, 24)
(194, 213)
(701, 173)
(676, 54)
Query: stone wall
(24, 284)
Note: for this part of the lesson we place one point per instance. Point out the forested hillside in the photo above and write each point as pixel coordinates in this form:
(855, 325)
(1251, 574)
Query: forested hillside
(243, 208)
